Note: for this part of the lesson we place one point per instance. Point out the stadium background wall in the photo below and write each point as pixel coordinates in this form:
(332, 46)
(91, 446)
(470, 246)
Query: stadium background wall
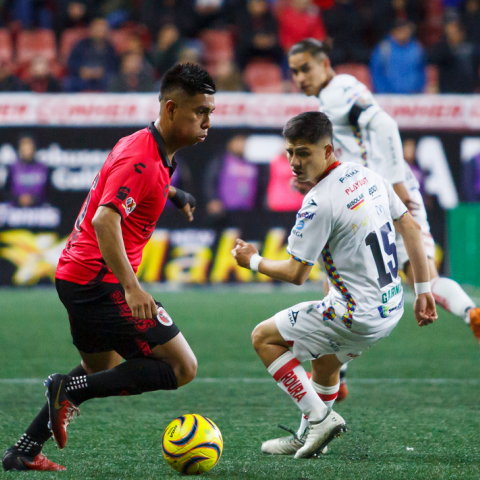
(32, 239)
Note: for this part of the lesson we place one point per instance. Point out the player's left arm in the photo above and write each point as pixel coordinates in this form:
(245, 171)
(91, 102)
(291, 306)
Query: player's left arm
(290, 270)
(184, 201)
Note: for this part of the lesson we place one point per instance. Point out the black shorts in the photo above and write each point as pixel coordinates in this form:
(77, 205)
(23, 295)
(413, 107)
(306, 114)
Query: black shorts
(101, 320)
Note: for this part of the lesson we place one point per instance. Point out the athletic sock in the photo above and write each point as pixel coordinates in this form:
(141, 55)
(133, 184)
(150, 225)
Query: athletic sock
(292, 378)
(451, 296)
(132, 377)
(31, 442)
(328, 395)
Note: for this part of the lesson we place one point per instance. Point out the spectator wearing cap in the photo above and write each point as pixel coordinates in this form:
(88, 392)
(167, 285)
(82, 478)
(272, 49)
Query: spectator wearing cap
(133, 76)
(258, 34)
(93, 61)
(398, 62)
(40, 79)
(456, 59)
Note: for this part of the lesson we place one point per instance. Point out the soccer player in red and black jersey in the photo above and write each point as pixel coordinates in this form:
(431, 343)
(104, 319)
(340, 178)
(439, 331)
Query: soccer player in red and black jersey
(111, 315)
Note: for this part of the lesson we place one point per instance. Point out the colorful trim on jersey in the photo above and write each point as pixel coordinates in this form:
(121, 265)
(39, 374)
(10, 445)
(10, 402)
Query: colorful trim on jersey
(401, 216)
(329, 314)
(301, 261)
(358, 138)
(339, 285)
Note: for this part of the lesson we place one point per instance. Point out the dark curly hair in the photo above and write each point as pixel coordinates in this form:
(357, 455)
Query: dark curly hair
(189, 77)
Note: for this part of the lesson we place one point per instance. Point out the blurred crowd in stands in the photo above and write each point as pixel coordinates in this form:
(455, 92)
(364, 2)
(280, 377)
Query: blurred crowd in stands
(393, 46)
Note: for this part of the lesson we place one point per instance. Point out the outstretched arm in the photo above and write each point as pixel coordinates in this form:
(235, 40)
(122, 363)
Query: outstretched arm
(411, 232)
(290, 270)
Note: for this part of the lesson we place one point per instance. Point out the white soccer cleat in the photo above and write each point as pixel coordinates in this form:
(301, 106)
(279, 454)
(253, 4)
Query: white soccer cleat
(285, 445)
(319, 435)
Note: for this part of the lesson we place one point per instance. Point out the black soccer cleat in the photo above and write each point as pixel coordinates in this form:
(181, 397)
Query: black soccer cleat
(15, 461)
(60, 407)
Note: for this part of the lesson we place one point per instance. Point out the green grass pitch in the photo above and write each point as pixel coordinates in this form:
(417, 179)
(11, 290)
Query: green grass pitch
(413, 411)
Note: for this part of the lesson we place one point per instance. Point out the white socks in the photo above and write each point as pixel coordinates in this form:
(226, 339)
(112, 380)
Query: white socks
(328, 395)
(451, 296)
(292, 378)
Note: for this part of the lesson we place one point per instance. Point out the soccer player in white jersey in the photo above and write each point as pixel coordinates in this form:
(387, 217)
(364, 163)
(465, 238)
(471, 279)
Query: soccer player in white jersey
(347, 221)
(364, 133)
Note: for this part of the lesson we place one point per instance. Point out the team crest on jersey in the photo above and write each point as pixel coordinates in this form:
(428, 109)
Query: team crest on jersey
(129, 205)
(164, 317)
(357, 203)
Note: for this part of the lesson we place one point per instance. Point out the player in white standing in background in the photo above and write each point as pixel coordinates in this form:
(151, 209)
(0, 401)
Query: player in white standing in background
(365, 300)
(364, 133)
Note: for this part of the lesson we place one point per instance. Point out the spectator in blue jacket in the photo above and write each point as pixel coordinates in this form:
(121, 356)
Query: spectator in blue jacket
(398, 62)
(93, 62)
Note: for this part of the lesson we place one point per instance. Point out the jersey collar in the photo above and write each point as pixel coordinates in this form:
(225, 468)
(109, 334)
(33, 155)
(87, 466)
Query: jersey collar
(161, 149)
(328, 170)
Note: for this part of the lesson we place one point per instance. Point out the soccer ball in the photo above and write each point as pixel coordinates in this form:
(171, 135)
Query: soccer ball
(192, 444)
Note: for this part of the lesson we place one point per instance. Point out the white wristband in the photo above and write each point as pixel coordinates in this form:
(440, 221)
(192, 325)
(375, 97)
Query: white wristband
(423, 287)
(255, 261)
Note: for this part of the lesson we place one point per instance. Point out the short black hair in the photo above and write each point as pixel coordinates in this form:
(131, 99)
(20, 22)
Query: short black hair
(309, 126)
(189, 77)
(310, 45)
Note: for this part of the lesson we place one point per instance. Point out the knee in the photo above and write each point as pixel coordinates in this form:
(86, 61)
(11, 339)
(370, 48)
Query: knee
(258, 336)
(186, 371)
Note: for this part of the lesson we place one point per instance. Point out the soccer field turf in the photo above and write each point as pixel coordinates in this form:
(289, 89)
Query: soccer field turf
(412, 411)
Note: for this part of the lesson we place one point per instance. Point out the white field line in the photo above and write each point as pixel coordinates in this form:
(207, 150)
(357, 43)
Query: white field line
(359, 381)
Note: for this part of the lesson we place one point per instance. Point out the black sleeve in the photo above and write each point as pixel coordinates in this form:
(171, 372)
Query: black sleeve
(358, 107)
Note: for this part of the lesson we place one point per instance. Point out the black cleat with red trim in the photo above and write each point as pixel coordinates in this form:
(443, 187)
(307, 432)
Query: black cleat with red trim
(60, 406)
(15, 460)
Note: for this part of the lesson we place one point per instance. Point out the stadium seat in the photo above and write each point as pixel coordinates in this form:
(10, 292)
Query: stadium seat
(31, 43)
(218, 45)
(357, 70)
(263, 77)
(6, 45)
(70, 37)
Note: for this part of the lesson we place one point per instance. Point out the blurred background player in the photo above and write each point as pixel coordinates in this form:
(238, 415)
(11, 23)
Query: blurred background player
(111, 315)
(364, 133)
(353, 316)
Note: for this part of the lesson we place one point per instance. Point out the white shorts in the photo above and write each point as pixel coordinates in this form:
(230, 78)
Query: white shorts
(311, 336)
(420, 216)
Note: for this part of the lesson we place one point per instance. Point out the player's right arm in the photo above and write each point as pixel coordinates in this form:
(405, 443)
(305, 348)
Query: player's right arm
(107, 226)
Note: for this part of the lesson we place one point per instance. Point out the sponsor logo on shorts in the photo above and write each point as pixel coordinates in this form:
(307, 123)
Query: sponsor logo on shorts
(129, 205)
(348, 175)
(312, 202)
(372, 190)
(294, 386)
(352, 355)
(387, 296)
(306, 215)
(297, 233)
(386, 310)
(123, 193)
(163, 317)
(300, 224)
(357, 203)
(356, 185)
(292, 316)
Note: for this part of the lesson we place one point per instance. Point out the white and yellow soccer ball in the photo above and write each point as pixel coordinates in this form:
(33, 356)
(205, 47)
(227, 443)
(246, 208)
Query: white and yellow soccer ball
(192, 444)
